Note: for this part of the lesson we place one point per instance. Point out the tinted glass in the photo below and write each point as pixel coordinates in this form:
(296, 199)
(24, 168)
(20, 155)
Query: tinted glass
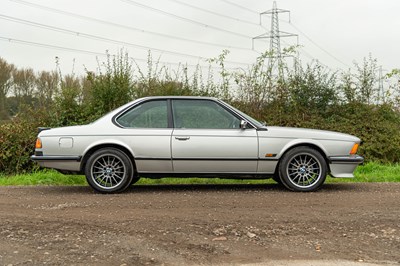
(202, 114)
(151, 114)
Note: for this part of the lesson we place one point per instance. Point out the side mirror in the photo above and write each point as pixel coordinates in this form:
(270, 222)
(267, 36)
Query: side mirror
(243, 124)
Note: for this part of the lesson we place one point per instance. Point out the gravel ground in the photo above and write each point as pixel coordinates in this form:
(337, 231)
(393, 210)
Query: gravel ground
(342, 224)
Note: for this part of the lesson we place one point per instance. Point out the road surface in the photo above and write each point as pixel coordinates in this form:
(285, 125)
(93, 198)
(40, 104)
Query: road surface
(347, 224)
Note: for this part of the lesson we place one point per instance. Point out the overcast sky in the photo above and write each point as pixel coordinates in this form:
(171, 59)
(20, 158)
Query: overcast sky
(336, 32)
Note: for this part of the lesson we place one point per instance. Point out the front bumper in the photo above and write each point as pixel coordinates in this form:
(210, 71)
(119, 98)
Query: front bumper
(344, 166)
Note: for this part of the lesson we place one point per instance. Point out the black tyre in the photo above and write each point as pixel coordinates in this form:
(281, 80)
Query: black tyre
(303, 169)
(134, 180)
(109, 170)
(277, 179)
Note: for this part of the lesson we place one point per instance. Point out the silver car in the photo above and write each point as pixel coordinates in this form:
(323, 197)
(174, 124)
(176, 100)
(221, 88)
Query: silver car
(193, 136)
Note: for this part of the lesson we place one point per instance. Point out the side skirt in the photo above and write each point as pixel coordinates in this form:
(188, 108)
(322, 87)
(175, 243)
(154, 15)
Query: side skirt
(207, 175)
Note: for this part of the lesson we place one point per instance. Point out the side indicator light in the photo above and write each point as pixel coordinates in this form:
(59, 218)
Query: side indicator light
(38, 144)
(354, 149)
(270, 155)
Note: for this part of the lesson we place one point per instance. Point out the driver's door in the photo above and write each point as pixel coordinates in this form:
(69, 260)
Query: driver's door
(207, 138)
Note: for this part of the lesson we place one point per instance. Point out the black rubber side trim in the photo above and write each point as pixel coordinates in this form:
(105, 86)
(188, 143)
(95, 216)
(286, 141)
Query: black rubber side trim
(56, 158)
(203, 159)
(346, 159)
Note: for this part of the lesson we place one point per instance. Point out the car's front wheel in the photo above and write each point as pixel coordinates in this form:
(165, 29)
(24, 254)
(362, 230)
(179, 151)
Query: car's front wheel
(303, 169)
(109, 170)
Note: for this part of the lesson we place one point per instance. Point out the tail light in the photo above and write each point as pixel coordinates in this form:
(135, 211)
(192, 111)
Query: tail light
(38, 144)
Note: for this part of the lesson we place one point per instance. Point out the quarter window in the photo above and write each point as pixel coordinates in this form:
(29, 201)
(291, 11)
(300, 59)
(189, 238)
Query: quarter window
(151, 114)
(202, 114)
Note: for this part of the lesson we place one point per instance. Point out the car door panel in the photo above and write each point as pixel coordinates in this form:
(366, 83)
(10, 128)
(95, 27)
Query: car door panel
(152, 149)
(214, 150)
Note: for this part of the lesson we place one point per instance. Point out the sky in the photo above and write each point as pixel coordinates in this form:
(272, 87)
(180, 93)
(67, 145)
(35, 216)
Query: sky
(33, 33)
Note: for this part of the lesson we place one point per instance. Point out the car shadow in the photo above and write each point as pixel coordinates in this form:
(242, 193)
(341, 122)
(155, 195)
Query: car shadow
(233, 187)
(326, 188)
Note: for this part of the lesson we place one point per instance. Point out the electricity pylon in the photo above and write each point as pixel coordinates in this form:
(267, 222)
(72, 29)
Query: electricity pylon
(275, 35)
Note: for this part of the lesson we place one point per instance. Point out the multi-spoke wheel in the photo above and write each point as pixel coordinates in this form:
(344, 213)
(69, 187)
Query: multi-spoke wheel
(109, 170)
(303, 169)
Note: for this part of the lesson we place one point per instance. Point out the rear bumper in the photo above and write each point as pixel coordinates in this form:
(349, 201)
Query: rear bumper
(66, 163)
(344, 166)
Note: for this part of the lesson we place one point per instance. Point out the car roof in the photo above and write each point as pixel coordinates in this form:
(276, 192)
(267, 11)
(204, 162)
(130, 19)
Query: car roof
(179, 97)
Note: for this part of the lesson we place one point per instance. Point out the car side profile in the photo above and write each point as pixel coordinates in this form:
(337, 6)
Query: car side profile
(177, 136)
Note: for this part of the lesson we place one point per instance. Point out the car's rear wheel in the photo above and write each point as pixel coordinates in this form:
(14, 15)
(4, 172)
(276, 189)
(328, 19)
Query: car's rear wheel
(109, 170)
(303, 169)
(134, 180)
(277, 179)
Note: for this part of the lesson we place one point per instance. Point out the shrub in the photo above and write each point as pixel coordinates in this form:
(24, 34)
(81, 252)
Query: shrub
(17, 141)
(309, 96)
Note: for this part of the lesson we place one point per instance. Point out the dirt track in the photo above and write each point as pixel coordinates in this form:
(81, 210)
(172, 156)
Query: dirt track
(201, 224)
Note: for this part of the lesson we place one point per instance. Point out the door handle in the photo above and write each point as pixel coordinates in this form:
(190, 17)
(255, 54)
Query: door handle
(182, 138)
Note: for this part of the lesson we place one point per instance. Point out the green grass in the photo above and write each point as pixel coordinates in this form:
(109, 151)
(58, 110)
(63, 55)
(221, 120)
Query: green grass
(370, 172)
(46, 177)
(373, 172)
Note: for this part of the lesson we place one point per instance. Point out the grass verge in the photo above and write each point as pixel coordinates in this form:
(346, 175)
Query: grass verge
(370, 172)
(45, 177)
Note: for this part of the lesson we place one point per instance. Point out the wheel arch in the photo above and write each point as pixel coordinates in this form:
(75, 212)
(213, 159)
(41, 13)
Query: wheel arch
(303, 144)
(99, 146)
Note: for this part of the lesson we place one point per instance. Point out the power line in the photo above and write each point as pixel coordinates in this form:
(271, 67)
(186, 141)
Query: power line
(94, 37)
(7, 39)
(320, 47)
(184, 19)
(126, 27)
(239, 6)
(81, 51)
(215, 13)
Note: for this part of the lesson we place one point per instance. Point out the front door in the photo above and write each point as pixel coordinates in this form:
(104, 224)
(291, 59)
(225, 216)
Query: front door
(207, 138)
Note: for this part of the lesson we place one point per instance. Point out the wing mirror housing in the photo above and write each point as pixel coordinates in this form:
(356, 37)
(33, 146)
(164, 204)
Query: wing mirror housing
(243, 124)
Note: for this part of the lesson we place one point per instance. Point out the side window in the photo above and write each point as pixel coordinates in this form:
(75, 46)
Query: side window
(151, 114)
(202, 114)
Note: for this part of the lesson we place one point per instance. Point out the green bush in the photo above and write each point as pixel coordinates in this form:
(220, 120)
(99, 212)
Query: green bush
(304, 96)
(17, 141)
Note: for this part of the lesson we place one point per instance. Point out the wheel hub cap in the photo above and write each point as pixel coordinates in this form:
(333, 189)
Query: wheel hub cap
(304, 170)
(108, 170)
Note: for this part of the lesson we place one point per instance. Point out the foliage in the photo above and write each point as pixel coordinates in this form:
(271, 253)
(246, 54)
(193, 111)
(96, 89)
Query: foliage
(17, 138)
(302, 95)
(5, 85)
(112, 88)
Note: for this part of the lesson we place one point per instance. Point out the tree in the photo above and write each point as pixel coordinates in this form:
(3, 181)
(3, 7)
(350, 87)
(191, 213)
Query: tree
(23, 87)
(46, 87)
(366, 78)
(5, 85)
(68, 109)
